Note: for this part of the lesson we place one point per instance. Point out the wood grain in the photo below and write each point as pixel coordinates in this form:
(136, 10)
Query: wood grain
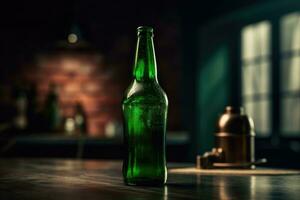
(75, 179)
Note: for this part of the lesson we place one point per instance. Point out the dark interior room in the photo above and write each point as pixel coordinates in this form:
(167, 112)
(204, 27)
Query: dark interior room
(100, 97)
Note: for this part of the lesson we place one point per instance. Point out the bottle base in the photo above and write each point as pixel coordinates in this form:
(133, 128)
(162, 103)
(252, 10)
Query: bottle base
(145, 182)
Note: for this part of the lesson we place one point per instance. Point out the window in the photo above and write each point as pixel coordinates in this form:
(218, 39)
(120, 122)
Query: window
(290, 74)
(256, 74)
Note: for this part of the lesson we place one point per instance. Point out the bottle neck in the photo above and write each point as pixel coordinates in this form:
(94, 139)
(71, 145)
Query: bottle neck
(145, 62)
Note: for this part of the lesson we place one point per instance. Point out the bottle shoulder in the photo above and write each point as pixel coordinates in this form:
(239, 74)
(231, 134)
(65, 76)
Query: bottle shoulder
(145, 93)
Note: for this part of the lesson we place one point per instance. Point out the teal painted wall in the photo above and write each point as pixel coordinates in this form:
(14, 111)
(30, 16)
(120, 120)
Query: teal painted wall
(213, 83)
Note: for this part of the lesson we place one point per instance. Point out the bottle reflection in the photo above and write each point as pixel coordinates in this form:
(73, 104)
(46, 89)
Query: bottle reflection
(223, 193)
(243, 187)
(166, 193)
(253, 187)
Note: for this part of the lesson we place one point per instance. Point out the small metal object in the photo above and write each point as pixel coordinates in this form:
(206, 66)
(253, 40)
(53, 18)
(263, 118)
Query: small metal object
(234, 142)
(209, 158)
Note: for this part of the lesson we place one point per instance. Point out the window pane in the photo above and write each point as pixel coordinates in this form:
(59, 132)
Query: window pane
(290, 32)
(290, 74)
(256, 40)
(256, 79)
(259, 111)
(248, 84)
(264, 37)
(248, 42)
(290, 118)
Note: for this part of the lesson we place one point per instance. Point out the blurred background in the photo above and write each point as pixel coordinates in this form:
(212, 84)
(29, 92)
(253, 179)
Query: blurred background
(65, 66)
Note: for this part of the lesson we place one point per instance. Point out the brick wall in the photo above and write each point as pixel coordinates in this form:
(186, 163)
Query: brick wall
(81, 78)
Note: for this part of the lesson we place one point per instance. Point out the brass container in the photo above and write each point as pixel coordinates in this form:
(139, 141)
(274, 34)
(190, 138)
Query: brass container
(235, 137)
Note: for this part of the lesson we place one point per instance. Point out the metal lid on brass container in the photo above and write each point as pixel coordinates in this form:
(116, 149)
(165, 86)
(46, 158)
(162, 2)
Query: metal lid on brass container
(234, 122)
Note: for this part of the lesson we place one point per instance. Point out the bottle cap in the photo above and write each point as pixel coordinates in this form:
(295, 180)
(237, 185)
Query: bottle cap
(144, 29)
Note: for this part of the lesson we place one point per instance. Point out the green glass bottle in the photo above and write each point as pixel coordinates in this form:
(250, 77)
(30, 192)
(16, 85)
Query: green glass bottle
(145, 107)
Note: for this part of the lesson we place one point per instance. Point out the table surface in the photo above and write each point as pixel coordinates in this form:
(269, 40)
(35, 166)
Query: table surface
(46, 179)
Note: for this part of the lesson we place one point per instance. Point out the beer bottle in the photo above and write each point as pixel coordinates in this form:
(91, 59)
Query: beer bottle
(51, 110)
(145, 107)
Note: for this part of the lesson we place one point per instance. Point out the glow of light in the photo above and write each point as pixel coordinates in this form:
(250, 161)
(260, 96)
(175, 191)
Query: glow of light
(72, 38)
(110, 130)
(70, 125)
(223, 120)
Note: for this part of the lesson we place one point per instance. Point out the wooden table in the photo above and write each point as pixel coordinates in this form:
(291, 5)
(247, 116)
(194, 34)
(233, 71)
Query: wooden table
(74, 179)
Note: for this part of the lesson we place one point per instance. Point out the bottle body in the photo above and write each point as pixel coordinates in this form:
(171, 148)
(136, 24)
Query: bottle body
(145, 107)
(145, 115)
(51, 111)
